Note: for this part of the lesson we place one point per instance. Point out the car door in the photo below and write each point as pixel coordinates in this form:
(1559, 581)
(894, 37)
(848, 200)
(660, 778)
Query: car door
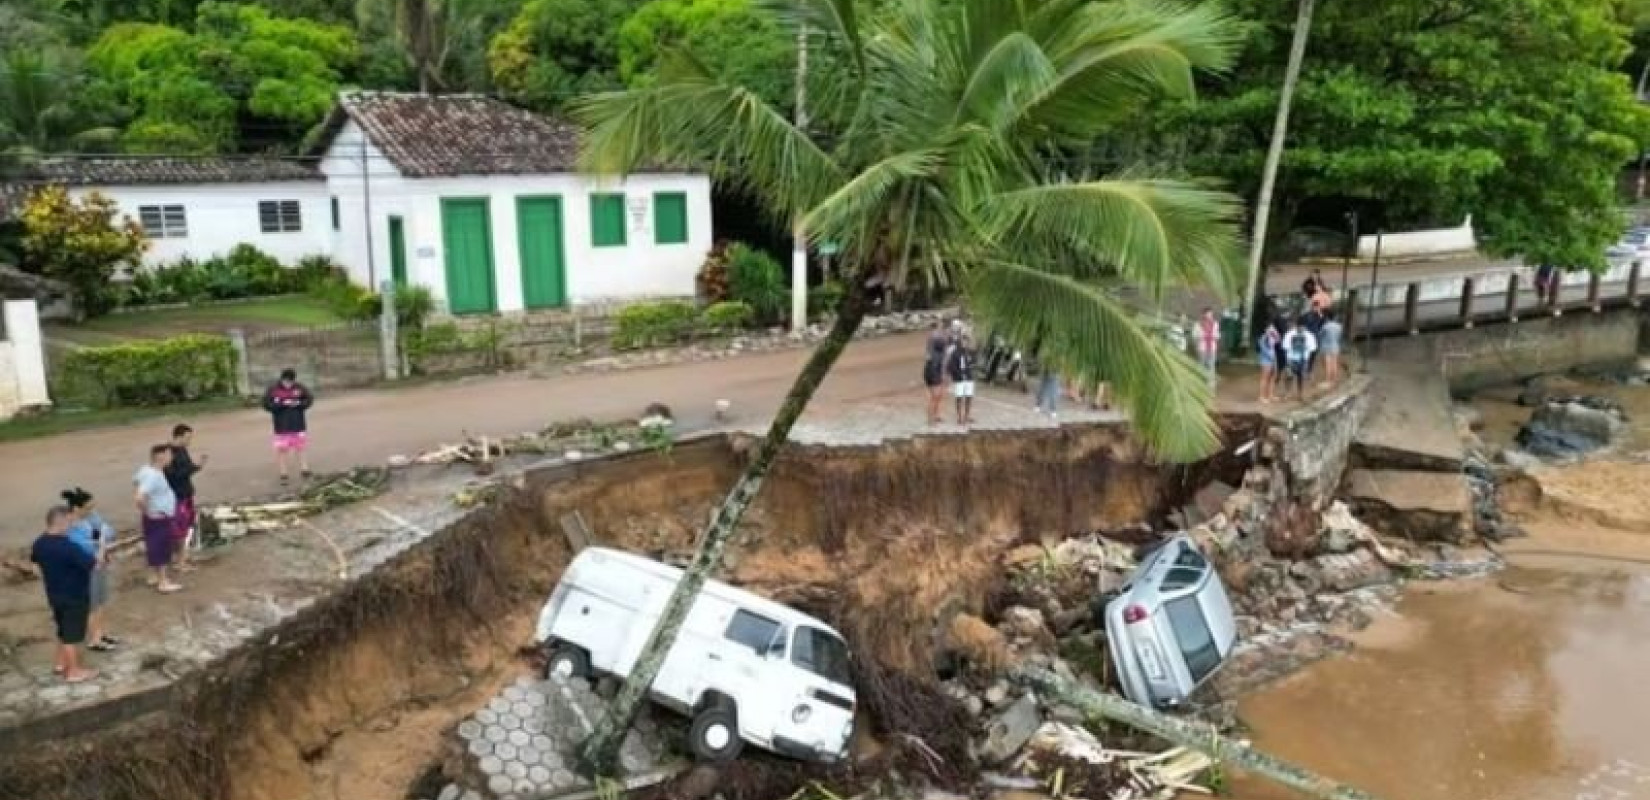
(820, 712)
(754, 647)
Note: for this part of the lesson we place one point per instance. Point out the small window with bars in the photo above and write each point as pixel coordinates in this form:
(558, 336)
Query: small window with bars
(279, 216)
(163, 222)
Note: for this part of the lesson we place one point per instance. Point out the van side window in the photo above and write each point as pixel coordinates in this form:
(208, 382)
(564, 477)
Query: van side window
(822, 654)
(756, 632)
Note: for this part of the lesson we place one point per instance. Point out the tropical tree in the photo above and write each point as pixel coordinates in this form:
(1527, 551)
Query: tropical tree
(556, 50)
(951, 170)
(80, 242)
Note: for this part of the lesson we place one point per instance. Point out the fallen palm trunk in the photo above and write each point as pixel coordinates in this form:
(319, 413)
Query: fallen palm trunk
(1194, 735)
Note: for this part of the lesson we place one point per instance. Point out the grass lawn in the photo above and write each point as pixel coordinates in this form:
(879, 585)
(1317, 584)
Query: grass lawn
(294, 311)
(59, 421)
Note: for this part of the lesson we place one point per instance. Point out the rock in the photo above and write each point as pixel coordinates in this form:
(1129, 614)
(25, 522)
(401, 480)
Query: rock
(1467, 418)
(1422, 506)
(1540, 389)
(1010, 730)
(1020, 622)
(450, 792)
(997, 694)
(1067, 714)
(1572, 427)
(1341, 530)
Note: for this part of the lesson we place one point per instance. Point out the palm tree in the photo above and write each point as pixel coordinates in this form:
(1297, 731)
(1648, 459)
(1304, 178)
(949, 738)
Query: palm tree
(947, 168)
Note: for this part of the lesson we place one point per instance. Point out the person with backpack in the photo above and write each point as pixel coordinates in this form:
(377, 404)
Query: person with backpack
(1299, 345)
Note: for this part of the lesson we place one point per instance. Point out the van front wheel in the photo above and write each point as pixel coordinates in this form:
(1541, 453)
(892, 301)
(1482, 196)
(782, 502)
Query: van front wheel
(714, 735)
(567, 663)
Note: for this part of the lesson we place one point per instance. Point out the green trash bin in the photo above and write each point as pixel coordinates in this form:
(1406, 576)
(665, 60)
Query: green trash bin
(1231, 327)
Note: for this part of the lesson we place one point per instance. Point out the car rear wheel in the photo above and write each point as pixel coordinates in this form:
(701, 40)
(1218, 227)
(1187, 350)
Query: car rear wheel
(567, 663)
(714, 735)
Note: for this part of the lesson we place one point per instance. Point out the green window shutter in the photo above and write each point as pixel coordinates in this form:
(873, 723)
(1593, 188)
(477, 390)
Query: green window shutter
(607, 227)
(670, 224)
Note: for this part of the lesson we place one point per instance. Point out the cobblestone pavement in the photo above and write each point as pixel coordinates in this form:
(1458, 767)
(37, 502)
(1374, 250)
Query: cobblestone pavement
(521, 745)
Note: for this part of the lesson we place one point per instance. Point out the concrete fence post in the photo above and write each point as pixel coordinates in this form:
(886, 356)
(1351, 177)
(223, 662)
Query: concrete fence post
(1351, 326)
(1468, 287)
(387, 331)
(1512, 297)
(243, 362)
(1412, 301)
(1594, 280)
(1633, 284)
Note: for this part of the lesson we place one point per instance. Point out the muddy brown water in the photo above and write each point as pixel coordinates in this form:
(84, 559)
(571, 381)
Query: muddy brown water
(1523, 686)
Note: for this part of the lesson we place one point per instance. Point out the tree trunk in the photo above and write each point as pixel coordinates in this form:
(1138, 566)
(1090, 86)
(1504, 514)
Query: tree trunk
(598, 756)
(1194, 735)
(1269, 176)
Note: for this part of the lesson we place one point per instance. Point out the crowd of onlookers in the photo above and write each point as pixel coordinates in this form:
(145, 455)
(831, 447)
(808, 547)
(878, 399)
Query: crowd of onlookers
(74, 553)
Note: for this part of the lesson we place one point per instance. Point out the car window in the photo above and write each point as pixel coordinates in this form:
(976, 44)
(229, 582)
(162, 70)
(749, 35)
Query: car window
(822, 654)
(1192, 634)
(1190, 557)
(756, 632)
(1180, 578)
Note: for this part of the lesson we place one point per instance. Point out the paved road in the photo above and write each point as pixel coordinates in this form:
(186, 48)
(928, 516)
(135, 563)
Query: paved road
(368, 427)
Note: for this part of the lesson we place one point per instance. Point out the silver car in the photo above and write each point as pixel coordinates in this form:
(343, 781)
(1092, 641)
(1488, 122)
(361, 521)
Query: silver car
(1171, 626)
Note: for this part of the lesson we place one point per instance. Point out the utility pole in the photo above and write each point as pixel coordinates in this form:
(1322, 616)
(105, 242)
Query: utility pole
(799, 239)
(386, 312)
(1274, 155)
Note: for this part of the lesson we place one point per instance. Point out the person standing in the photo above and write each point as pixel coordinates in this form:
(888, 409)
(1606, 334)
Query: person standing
(1271, 341)
(1048, 392)
(180, 475)
(1546, 285)
(1299, 344)
(158, 507)
(66, 573)
(287, 401)
(1329, 343)
(1208, 342)
(87, 529)
(959, 367)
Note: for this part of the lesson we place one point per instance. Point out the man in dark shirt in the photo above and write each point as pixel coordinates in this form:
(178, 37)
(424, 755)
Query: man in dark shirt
(180, 475)
(287, 401)
(66, 572)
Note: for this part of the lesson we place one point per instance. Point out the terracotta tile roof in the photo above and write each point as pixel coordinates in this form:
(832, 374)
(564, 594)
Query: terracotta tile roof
(427, 136)
(147, 170)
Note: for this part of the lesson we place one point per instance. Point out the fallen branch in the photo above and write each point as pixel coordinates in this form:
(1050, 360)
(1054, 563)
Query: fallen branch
(1192, 735)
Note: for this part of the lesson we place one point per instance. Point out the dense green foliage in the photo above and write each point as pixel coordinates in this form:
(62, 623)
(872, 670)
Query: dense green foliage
(145, 373)
(757, 280)
(245, 272)
(1425, 111)
(726, 316)
(81, 243)
(649, 324)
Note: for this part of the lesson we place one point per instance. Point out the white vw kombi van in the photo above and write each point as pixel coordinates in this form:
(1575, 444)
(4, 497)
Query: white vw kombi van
(744, 669)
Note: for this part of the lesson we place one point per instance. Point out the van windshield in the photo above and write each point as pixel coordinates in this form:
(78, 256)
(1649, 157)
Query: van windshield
(822, 654)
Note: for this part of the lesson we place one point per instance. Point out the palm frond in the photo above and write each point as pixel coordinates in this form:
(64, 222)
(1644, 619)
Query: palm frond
(837, 19)
(1088, 334)
(1012, 71)
(842, 216)
(727, 130)
(1157, 234)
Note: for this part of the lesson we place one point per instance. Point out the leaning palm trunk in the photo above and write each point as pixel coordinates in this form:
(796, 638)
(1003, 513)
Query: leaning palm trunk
(1194, 735)
(1269, 174)
(598, 756)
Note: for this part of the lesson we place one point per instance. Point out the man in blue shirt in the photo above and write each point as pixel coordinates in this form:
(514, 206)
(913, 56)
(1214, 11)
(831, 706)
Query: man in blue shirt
(66, 572)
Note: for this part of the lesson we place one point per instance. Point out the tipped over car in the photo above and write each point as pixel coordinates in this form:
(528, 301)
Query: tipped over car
(1171, 626)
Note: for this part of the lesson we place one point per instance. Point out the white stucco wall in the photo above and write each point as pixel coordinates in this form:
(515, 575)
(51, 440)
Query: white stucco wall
(638, 269)
(223, 215)
(22, 359)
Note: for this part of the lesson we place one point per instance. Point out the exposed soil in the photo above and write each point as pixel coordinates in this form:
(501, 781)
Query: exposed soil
(345, 699)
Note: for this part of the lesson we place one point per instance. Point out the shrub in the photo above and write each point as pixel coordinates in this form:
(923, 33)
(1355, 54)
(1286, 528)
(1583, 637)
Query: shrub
(726, 316)
(413, 305)
(311, 271)
(346, 299)
(81, 244)
(824, 299)
(712, 281)
(150, 373)
(757, 280)
(245, 271)
(645, 324)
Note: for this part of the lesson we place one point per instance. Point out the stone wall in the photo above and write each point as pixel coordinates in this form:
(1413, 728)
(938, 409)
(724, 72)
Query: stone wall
(1475, 357)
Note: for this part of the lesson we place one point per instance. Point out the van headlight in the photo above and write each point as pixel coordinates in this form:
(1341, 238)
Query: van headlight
(800, 714)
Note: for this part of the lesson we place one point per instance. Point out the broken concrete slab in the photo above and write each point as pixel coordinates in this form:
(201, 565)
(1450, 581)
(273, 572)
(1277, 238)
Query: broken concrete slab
(1411, 424)
(1010, 730)
(1422, 506)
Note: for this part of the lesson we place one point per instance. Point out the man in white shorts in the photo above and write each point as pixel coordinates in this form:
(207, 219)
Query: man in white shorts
(959, 367)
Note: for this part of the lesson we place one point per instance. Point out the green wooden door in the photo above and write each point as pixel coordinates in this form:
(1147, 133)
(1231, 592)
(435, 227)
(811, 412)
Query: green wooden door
(467, 235)
(538, 231)
(398, 251)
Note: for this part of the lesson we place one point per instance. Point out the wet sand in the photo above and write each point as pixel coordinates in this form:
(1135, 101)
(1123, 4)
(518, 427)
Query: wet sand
(1522, 686)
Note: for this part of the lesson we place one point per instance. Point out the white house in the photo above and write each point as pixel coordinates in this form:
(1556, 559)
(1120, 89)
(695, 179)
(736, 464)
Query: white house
(204, 207)
(472, 197)
(479, 201)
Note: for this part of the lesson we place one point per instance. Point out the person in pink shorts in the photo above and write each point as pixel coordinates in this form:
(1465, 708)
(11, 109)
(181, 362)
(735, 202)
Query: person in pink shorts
(287, 400)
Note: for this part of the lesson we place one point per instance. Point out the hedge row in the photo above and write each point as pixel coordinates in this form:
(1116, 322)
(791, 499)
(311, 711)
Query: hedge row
(150, 373)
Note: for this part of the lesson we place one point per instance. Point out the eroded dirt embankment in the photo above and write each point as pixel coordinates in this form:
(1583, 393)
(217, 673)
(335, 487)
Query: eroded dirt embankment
(345, 699)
